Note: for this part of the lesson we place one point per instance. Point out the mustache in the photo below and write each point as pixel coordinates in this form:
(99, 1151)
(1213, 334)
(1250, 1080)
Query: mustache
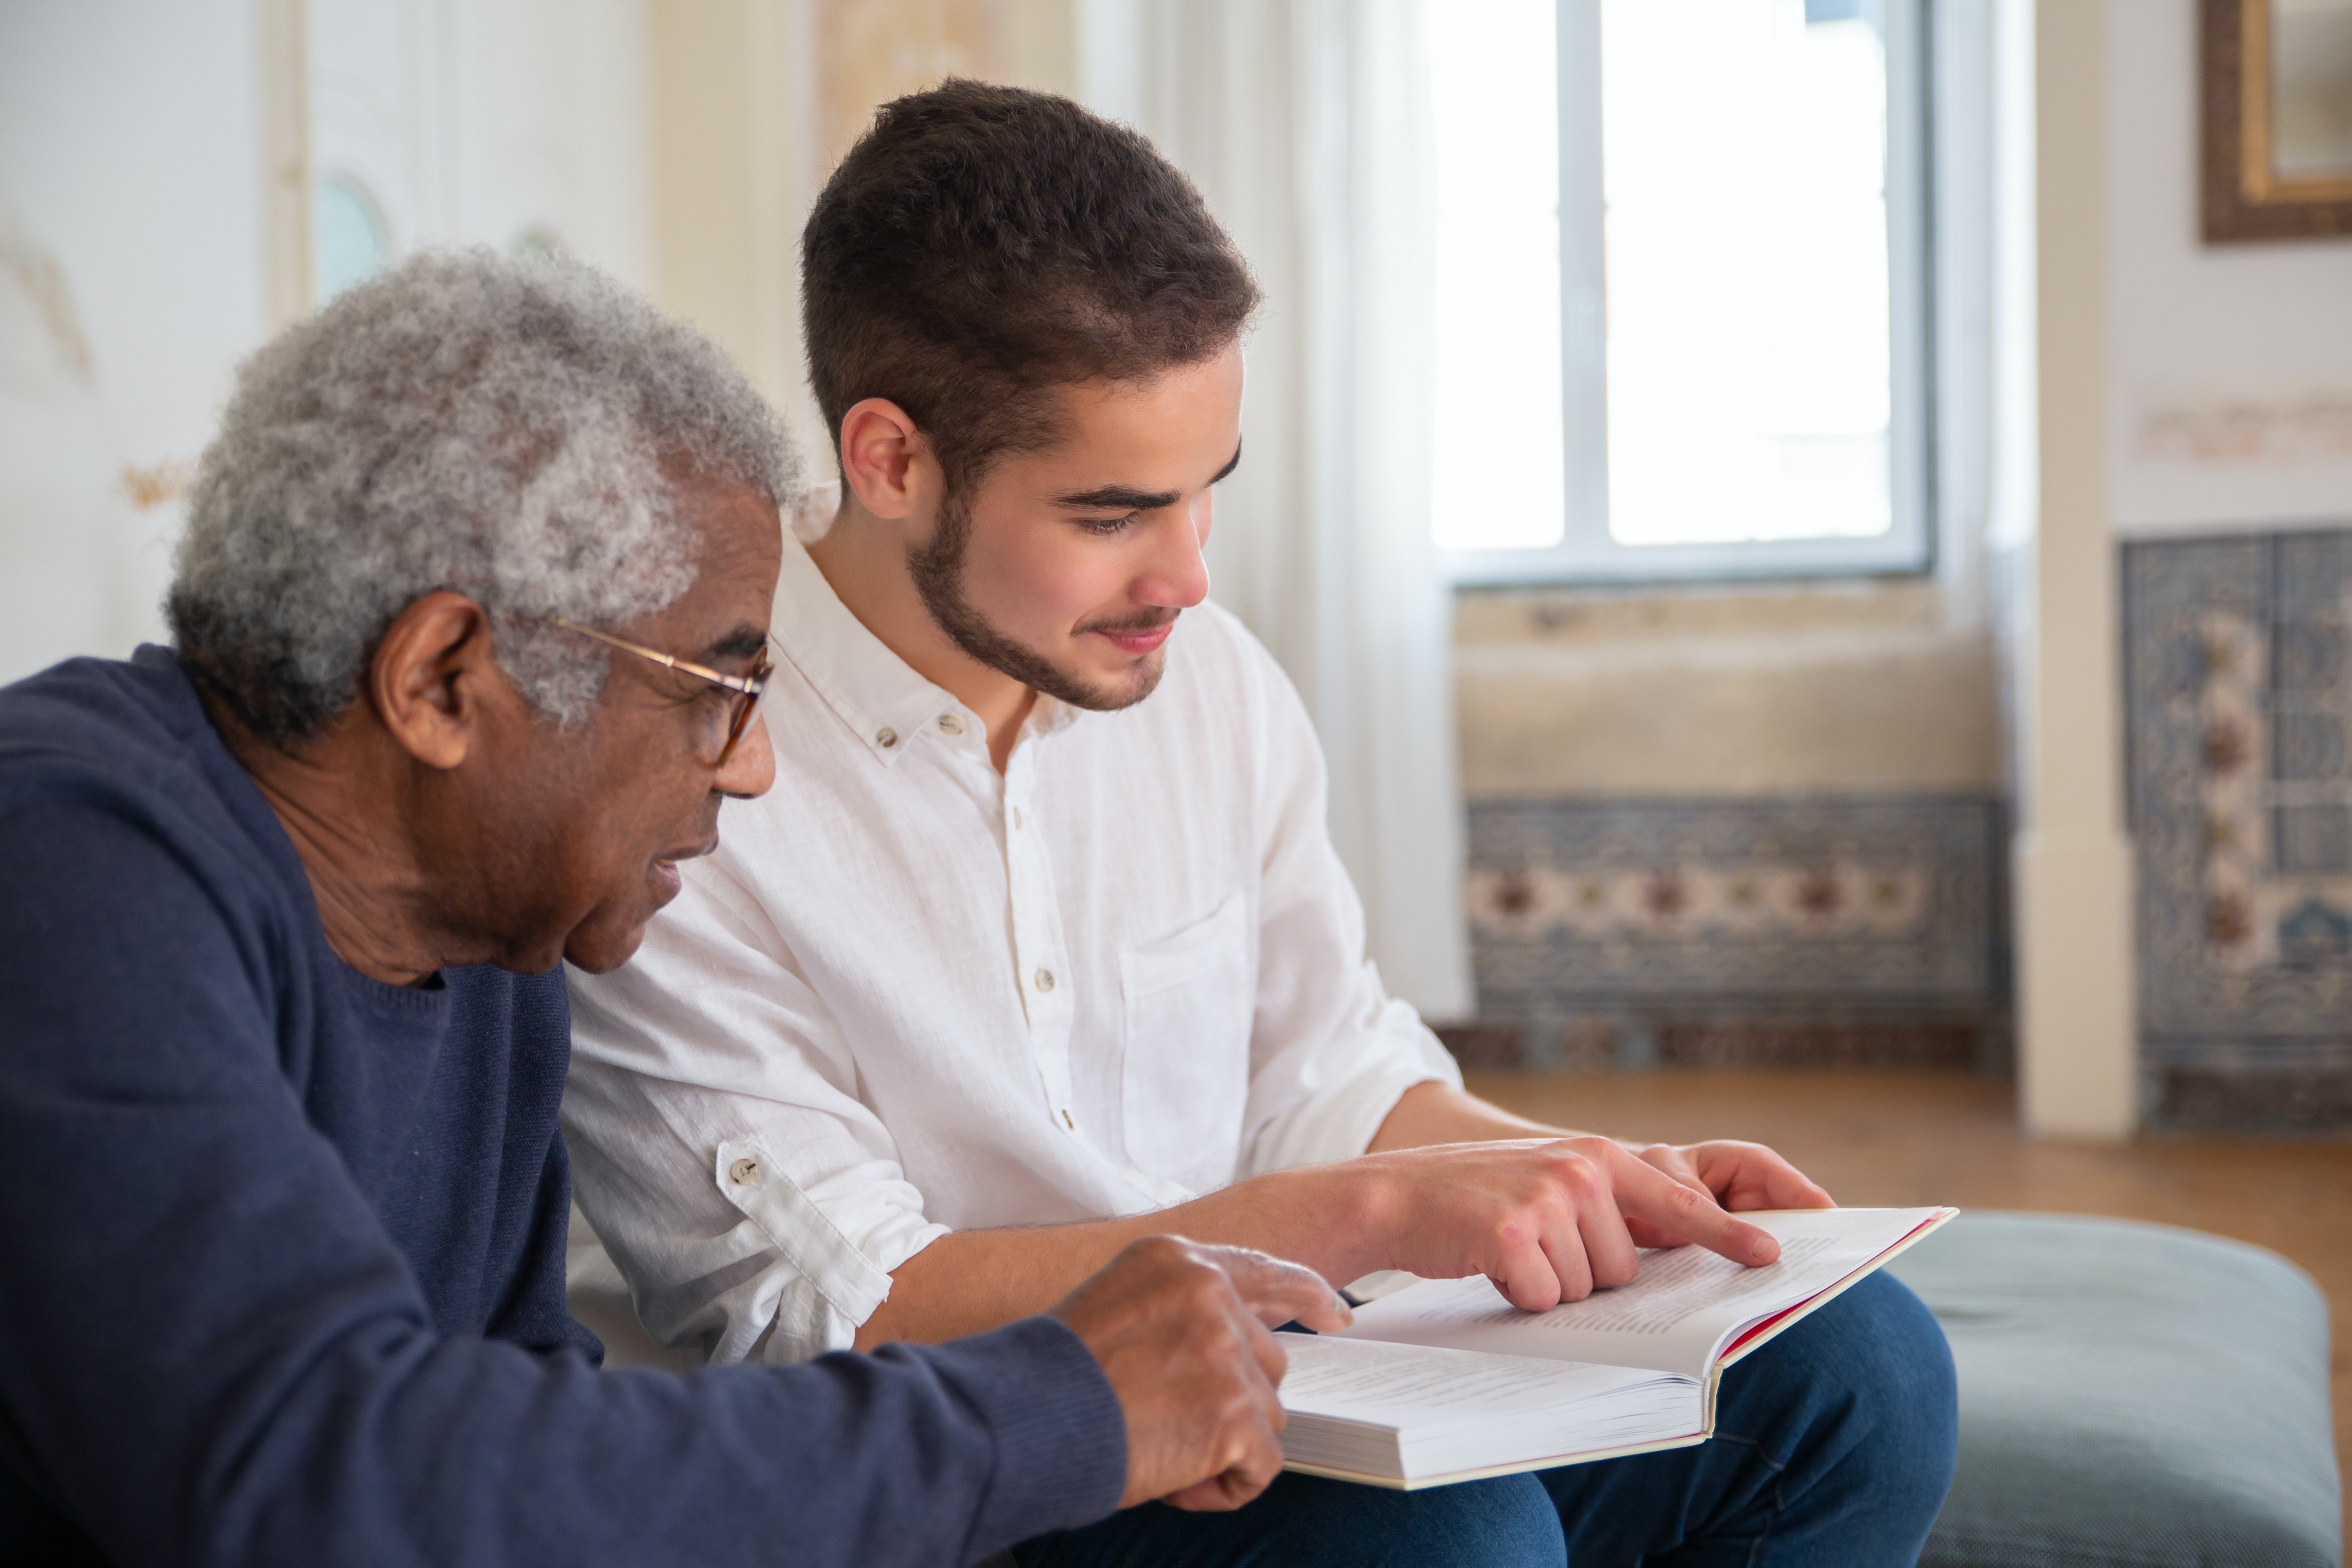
(1134, 625)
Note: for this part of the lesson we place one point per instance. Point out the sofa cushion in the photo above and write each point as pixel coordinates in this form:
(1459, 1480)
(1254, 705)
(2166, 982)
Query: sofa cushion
(2130, 1393)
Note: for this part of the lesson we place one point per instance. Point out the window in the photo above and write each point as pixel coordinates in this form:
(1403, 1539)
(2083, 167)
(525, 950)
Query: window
(1681, 289)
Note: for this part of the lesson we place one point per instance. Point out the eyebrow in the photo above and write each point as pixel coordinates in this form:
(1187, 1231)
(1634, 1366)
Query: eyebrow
(744, 642)
(1126, 498)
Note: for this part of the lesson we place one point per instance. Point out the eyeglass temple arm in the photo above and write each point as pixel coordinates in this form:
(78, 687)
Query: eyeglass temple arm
(742, 683)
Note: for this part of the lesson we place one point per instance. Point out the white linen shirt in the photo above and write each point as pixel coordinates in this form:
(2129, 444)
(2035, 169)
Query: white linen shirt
(908, 995)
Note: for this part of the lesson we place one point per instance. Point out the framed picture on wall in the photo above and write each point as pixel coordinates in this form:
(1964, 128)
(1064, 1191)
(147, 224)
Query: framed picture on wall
(2277, 118)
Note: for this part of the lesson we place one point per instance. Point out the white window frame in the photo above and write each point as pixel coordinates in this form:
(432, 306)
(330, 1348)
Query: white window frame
(1587, 553)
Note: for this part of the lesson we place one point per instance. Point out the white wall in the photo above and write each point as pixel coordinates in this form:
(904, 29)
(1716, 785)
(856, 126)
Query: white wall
(490, 122)
(2073, 863)
(2212, 346)
(2180, 387)
(131, 219)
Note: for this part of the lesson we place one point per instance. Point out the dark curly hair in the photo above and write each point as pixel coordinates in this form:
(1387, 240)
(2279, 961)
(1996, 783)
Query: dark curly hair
(980, 246)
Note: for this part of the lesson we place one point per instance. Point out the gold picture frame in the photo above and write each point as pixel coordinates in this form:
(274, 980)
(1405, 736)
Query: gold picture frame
(2276, 108)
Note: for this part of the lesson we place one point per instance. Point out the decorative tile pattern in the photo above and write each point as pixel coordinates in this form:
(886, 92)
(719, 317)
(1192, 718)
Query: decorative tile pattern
(1855, 928)
(2239, 702)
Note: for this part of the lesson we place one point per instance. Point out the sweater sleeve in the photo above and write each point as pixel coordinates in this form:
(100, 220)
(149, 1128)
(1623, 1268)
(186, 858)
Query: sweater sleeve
(536, 1315)
(211, 1351)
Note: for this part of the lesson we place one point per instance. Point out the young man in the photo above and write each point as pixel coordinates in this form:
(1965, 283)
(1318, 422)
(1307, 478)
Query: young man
(469, 623)
(1042, 941)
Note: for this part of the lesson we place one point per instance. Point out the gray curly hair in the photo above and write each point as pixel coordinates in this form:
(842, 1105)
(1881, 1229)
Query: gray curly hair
(513, 430)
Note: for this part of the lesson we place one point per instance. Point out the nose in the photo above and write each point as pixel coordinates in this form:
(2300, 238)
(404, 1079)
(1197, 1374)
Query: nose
(747, 774)
(1176, 574)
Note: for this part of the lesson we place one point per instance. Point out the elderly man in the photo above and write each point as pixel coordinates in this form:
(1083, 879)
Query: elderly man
(469, 626)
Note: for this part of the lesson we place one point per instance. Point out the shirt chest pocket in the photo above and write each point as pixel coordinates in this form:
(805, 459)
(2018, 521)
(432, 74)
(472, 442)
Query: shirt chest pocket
(1189, 1000)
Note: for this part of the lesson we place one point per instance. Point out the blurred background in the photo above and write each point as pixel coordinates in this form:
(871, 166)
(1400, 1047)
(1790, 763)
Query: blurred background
(1804, 550)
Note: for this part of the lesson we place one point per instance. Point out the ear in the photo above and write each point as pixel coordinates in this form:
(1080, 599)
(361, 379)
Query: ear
(432, 675)
(887, 460)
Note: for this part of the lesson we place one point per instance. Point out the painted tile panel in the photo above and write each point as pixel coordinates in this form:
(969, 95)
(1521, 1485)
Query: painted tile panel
(2239, 717)
(1713, 932)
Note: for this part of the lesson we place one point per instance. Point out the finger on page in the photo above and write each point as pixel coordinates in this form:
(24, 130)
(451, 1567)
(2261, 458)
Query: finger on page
(1644, 1192)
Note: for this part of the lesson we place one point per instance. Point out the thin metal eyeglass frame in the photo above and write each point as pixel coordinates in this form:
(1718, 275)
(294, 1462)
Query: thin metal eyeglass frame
(749, 687)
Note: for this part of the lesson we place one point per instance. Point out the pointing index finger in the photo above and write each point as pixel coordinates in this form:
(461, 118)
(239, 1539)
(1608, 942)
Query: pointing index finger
(1644, 1192)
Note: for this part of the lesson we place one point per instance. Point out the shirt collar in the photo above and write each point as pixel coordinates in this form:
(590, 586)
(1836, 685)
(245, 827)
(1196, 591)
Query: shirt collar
(877, 694)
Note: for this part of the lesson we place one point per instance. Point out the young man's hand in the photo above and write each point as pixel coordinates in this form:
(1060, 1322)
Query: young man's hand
(1180, 1331)
(1549, 1220)
(1737, 1175)
(1453, 1186)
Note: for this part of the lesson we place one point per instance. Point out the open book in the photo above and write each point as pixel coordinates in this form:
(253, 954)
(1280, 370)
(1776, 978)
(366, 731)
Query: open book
(1445, 1381)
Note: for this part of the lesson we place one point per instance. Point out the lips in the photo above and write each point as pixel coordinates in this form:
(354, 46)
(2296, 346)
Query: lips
(1140, 642)
(666, 875)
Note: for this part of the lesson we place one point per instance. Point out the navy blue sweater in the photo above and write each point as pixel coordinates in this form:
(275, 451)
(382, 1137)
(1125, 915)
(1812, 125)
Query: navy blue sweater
(281, 1248)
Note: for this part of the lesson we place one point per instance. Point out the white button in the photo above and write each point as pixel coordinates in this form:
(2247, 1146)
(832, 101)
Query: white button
(888, 738)
(1045, 978)
(951, 725)
(1067, 1122)
(1016, 818)
(745, 1173)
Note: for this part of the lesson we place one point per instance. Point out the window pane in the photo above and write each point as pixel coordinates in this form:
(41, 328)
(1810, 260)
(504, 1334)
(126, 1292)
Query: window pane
(349, 243)
(1496, 462)
(1744, 166)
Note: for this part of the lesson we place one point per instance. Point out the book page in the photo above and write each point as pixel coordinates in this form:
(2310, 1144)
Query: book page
(1402, 1385)
(1677, 1311)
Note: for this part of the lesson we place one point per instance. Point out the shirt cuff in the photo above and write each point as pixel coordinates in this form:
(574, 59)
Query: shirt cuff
(1061, 1438)
(838, 1243)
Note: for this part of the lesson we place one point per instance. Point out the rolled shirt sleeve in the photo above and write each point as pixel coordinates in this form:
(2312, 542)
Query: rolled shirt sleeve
(755, 1206)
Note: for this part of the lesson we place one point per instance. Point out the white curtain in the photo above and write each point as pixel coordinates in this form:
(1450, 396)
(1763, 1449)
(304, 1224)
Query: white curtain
(1306, 123)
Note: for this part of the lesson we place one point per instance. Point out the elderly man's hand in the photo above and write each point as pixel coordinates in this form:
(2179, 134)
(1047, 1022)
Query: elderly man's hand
(1180, 1331)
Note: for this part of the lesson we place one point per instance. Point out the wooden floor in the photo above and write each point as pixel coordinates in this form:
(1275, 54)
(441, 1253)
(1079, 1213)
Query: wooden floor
(1903, 1139)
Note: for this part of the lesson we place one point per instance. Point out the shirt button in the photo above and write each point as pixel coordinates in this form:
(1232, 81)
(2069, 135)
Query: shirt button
(1044, 979)
(745, 1173)
(1016, 818)
(886, 738)
(951, 725)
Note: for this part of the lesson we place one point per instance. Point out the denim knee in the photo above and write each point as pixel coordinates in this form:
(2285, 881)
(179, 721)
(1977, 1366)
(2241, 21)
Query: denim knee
(1897, 1367)
(1509, 1522)
(1506, 1520)
(1305, 1521)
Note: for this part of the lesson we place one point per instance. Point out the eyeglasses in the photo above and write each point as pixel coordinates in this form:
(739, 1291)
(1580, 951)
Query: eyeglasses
(748, 688)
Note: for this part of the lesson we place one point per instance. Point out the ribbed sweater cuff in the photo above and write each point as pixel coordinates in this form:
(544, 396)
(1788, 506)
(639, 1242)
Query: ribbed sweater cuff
(1061, 1440)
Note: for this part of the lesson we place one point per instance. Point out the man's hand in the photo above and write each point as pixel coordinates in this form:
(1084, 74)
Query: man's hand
(1549, 1220)
(1180, 1331)
(1737, 1175)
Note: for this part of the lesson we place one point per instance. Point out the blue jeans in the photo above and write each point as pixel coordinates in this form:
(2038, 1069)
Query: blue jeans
(1832, 1445)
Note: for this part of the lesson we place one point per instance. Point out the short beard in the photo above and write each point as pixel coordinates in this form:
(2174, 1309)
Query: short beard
(937, 570)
